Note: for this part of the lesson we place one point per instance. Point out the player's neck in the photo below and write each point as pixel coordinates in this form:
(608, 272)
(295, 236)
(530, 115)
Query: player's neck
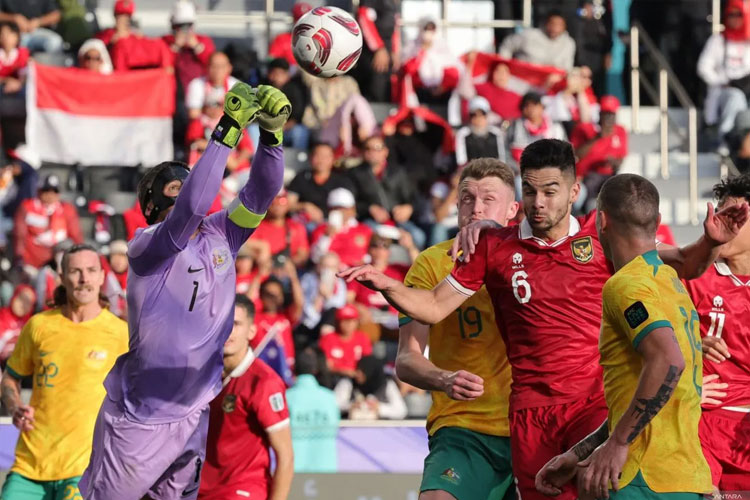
(739, 264)
(81, 313)
(625, 250)
(554, 233)
(233, 361)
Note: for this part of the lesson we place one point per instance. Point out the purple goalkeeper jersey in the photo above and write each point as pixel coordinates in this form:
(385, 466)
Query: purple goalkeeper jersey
(181, 288)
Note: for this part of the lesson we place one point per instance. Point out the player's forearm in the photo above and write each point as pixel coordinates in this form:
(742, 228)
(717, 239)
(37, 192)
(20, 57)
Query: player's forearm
(692, 260)
(282, 477)
(266, 179)
(417, 304)
(658, 379)
(587, 445)
(10, 387)
(414, 369)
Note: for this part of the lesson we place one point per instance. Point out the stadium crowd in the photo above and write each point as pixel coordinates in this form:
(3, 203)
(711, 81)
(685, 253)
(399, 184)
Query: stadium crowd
(360, 189)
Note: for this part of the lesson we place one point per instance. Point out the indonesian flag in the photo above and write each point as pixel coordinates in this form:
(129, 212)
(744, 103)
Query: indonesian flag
(75, 116)
(524, 76)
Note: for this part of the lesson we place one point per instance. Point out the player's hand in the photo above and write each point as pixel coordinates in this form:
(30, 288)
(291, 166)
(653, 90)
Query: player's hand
(368, 276)
(715, 349)
(463, 386)
(722, 226)
(468, 237)
(23, 418)
(603, 466)
(241, 104)
(556, 473)
(274, 112)
(712, 390)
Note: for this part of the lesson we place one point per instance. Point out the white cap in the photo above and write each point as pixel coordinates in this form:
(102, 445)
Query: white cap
(341, 198)
(183, 12)
(479, 103)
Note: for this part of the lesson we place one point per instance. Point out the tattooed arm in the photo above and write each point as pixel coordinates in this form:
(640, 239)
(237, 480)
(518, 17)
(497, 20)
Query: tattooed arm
(23, 415)
(662, 366)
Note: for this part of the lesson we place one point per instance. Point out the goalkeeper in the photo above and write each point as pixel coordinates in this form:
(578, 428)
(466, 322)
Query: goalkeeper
(150, 435)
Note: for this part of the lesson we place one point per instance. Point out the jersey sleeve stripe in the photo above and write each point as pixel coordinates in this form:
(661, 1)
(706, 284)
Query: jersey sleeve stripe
(14, 373)
(404, 320)
(278, 426)
(459, 287)
(663, 323)
(241, 216)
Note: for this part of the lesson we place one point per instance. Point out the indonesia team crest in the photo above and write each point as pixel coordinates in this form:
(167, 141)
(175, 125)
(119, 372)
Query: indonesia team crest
(229, 403)
(583, 249)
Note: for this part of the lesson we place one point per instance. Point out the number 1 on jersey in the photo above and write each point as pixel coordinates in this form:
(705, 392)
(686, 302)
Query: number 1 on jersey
(195, 294)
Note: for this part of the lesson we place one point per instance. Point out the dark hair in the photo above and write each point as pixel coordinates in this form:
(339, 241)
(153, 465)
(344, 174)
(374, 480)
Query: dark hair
(733, 187)
(270, 281)
(530, 98)
(306, 362)
(630, 200)
(549, 153)
(554, 13)
(317, 144)
(144, 185)
(278, 63)
(79, 247)
(480, 168)
(243, 302)
(13, 26)
(60, 295)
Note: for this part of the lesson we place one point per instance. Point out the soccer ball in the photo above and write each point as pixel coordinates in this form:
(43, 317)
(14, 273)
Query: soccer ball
(326, 42)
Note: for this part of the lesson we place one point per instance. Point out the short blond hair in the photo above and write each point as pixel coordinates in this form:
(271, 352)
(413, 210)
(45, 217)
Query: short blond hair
(480, 168)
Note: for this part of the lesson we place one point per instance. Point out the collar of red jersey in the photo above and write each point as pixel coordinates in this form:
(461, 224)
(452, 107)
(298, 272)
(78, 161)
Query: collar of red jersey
(526, 233)
(240, 369)
(723, 269)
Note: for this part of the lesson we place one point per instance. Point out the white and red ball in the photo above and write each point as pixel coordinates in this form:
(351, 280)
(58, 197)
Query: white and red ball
(326, 42)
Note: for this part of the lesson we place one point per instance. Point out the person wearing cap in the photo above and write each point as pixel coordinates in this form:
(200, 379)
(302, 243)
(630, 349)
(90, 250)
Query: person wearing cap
(601, 148)
(123, 28)
(533, 125)
(36, 21)
(116, 278)
(191, 51)
(285, 235)
(342, 233)
(296, 135)
(345, 347)
(42, 222)
(381, 50)
(281, 46)
(212, 86)
(550, 45)
(479, 139)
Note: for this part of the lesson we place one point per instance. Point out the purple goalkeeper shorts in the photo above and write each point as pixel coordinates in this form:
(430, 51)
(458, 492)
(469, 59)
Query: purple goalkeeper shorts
(130, 460)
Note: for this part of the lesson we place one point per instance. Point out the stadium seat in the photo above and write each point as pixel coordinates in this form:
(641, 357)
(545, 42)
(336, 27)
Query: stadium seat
(98, 182)
(383, 110)
(120, 200)
(295, 159)
(87, 222)
(63, 172)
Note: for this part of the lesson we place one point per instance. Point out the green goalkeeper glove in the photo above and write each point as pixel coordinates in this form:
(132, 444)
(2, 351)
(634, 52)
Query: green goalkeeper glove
(241, 107)
(274, 112)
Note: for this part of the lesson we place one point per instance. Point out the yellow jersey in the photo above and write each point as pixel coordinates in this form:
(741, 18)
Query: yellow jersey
(468, 339)
(68, 363)
(645, 295)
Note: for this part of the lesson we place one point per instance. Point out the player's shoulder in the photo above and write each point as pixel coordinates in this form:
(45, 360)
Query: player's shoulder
(261, 376)
(588, 223)
(638, 274)
(39, 321)
(113, 323)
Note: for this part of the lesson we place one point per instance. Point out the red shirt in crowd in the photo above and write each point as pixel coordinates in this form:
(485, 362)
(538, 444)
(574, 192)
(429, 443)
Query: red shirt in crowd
(11, 64)
(350, 243)
(344, 354)
(376, 300)
(265, 321)
(598, 157)
(238, 461)
(11, 325)
(190, 63)
(292, 234)
(281, 47)
(139, 53)
(502, 101)
(38, 228)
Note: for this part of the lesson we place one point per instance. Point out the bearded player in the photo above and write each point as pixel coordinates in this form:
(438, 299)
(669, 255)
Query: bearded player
(722, 298)
(468, 372)
(545, 278)
(151, 431)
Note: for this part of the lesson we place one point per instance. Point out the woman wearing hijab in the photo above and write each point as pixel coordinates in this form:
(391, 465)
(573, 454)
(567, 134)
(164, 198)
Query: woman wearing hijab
(93, 56)
(433, 69)
(371, 394)
(13, 317)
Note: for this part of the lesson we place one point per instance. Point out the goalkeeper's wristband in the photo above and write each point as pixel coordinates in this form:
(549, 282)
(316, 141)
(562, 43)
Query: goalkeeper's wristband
(271, 138)
(227, 132)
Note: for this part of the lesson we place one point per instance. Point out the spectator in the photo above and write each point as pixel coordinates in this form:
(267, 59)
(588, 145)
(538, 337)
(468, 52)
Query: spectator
(314, 416)
(371, 394)
(275, 319)
(443, 198)
(247, 419)
(593, 37)
(738, 141)
(324, 293)
(14, 317)
(433, 69)
(116, 279)
(124, 10)
(36, 22)
(383, 190)
(550, 46)
(68, 351)
(308, 191)
(724, 65)
(286, 237)
(576, 103)
(378, 20)
(334, 104)
(479, 139)
(348, 345)
(18, 181)
(42, 222)
(600, 149)
(93, 56)
(533, 125)
(342, 234)
(281, 46)
(296, 135)
(253, 266)
(49, 277)
(137, 52)
(191, 51)
(505, 103)
(13, 59)
(133, 219)
(211, 87)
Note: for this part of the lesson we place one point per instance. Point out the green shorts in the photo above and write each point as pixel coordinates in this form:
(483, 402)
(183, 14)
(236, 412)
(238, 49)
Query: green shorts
(468, 465)
(637, 489)
(17, 487)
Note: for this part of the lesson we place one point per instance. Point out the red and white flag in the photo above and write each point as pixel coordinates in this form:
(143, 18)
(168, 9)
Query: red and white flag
(76, 116)
(524, 76)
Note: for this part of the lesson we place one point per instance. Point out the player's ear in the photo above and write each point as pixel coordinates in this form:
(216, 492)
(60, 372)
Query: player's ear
(658, 220)
(575, 191)
(252, 331)
(512, 210)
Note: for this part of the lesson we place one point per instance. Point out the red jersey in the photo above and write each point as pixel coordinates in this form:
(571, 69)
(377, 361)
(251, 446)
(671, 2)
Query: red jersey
(597, 158)
(38, 228)
(238, 461)
(723, 304)
(376, 300)
(281, 47)
(345, 354)
(14, 62)
(548, 304)
(350, 243)
(264, 322)
(291, 235)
